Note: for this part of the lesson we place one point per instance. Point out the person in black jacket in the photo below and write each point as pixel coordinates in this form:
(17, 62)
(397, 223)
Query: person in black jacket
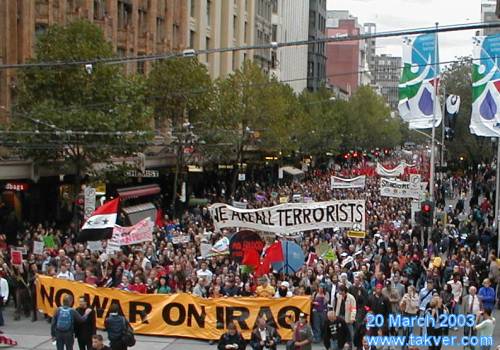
(232, 340)
(115, 326)
(64, 337)
(264, 336)
(379, 304)
(335, 332)
(85, 330)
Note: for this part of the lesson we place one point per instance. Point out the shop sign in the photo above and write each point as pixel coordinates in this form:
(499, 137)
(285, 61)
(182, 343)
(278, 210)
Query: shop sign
(16, 186)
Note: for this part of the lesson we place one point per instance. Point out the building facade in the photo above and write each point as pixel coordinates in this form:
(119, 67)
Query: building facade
(386, 76)
(262, 33)
(316, 61)
(488, 14)
(290, 22)
(222, 24)
(134, 27)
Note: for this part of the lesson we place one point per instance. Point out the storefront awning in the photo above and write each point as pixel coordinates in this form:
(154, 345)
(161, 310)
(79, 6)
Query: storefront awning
(138, 191)
(292, 171)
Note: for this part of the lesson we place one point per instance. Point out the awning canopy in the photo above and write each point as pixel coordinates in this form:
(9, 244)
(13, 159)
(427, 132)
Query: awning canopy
(292, 170)
(136, 213)
(138, 191)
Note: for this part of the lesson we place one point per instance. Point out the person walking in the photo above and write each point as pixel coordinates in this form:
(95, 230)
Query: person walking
(320, 305)
(4, 296)
(336, 333)
(85, 330)
(487, 295)
(302, 335)
(264, 337)
(346, 308)
(116, 325)
(486, 327)
(63, 324)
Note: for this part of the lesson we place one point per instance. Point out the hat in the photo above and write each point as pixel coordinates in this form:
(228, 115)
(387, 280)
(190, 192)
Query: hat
(285, 284)
(344, 254)
(359, 252)
(379, 285)
(343, 274)
(302, 315)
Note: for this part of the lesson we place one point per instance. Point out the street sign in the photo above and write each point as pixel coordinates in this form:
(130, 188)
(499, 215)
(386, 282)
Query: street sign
(146, 173)
(89, 194)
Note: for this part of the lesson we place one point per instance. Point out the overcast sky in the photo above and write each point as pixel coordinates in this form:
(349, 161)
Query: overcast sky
(408, 14)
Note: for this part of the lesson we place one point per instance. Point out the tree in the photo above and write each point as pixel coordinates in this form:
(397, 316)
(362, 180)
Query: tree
(249, 109)
(73, 116)
(368, 122)
(180, 93)
(457, 80)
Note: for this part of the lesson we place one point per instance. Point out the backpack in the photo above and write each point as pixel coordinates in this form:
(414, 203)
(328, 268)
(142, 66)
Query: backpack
(128, 334)
(64, 319)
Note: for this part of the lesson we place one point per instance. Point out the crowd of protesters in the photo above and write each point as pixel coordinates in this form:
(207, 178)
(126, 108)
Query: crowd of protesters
(398, 268)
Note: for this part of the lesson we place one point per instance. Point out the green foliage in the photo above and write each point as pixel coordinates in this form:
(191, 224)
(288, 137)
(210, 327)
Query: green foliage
(55, 103)
(457, 80)
(179, 90)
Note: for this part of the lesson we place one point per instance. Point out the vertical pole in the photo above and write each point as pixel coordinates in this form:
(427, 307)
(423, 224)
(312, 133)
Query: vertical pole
(443, 111)
(431, 180)
(497, 197)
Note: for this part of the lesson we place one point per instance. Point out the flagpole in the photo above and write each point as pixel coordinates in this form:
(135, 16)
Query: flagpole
(443, 112)
(497, 197)
(432, 170)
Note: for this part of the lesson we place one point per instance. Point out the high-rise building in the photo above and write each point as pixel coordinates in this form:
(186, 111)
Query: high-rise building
(290, 22)
(134, 27)
(347, 66)
(371, 44)
(263, 32)
(386, 76)
(488, 14)
(222, 24)
(316, 62)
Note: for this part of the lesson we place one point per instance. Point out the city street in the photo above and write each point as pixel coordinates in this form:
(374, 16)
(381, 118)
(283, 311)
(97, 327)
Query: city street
(36, 335)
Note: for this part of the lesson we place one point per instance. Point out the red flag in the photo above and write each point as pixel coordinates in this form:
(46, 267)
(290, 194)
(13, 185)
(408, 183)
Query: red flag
(251, 258)
(273, 254)
(160, 218)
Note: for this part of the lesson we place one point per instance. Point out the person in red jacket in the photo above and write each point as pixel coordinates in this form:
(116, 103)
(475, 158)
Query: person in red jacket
(138, 286)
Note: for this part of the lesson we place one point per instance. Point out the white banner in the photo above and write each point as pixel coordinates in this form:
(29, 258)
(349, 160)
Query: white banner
(88, 202)
(397, 171)
(288, 218)
(138, 233)
(399, 189)
(340, 182)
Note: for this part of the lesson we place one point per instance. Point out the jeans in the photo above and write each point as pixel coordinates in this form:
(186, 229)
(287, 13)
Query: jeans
(334, 345)
(1, 316)
(317, 326)
(469, 331)
(65, 339)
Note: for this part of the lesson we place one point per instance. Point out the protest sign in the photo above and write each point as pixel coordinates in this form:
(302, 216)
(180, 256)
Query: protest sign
(340, 182)
(243, 241)
(37, 247)
(181, 239)
(16, 257)
(49, 241)
(176, 315)
(395, 172)
(138, 233)
(288, 218)
(398, 189)
(356, 234)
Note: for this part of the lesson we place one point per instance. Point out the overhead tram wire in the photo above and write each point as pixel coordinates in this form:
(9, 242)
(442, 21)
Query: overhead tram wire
(203, 90)
(156, 57)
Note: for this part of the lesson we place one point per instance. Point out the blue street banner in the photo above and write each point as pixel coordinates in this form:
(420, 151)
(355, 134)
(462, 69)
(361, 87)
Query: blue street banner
(485, 119)
(416, 87)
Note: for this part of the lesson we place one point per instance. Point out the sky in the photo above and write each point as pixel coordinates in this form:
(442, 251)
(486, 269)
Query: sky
(407, 14)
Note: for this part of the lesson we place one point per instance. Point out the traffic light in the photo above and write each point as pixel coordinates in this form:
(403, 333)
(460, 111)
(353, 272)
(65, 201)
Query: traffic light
(426, 213)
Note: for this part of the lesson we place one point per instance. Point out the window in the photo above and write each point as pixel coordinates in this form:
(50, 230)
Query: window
(40, 28)
(143, 22)
(246, 32)
(275, 6)
(120, 51)
(207, 46)
(274, 59)
(310, 69)
(160, 29)
(235, 57)
(191, 38)
(192, 9)
(209, 10)
(124, 13)
(275, 33)
(235, 27)
(161, 7)
(99, 9)
(140, 67)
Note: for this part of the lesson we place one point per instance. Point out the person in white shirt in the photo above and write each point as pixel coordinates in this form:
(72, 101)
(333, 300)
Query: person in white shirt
(456, 290)
(472, 306)
(204, 272)
(486, 327)
(4, 294)
(65, 274)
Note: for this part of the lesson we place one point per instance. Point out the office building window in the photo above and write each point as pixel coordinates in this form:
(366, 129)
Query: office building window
(310, 69)
(192, 35)
(207, 46)
(234, 61)
(143, 22)
(235, 27)
(275, 6)
(124, 13)
(99, 9)
(246, 32)
(209, 11)
(160, 29)
(192, 8)
(275, 33)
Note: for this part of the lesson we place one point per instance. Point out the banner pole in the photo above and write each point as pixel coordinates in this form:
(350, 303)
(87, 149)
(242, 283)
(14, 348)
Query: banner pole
(497, 197)
(432, 170)
(443, 112)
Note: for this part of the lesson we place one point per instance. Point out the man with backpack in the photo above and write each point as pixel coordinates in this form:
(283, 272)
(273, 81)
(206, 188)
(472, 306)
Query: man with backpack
(63, 324)
(120, 334)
